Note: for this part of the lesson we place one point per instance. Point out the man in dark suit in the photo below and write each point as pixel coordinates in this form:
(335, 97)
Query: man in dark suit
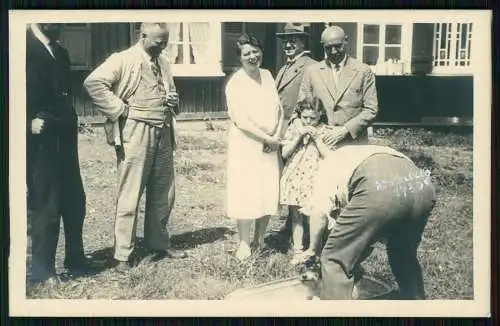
(288, 82)
(54, 182)
(290, 74)
(344, 88)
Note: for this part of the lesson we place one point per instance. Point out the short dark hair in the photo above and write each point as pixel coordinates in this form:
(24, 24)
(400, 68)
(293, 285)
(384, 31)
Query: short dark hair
(247, 38)
(309, 104)
(304, 105)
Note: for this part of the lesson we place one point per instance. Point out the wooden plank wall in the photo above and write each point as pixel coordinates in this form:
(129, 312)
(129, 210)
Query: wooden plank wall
(199, 96)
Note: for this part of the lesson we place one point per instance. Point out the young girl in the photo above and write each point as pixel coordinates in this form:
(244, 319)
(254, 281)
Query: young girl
(302, 150)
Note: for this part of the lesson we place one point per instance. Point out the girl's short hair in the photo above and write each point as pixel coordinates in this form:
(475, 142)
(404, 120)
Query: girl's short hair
(247, 38)
(304, 105)
(311, 105)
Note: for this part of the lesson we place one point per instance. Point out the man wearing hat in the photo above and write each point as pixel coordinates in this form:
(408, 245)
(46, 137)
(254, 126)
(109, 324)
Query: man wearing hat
(344, 88)
(290, 74)
(289, 78)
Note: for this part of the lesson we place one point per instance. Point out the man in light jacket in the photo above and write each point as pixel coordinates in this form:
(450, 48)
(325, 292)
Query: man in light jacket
(135, 90)
(344, 88)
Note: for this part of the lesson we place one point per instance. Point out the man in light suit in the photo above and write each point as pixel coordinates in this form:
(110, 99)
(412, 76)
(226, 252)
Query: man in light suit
(344, 87)
(288, 82)
(135, 88)
(289, 76)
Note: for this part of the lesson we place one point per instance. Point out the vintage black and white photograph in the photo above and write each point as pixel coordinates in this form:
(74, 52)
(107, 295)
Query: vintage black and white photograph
(251, 158)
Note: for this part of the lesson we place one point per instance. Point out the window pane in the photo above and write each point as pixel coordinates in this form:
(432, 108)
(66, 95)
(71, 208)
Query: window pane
(175, 48)
(199, 49)
(371, 34)
(463, 36)
(175, 32)
(393, 34)
(393, 53)
(370, 55)
(444, 35)
(175, 53)
(199, 53)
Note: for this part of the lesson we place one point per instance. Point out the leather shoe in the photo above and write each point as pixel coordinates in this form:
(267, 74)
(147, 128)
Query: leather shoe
(171, 253)
(52, 280)
(81, 267)
(123, 267)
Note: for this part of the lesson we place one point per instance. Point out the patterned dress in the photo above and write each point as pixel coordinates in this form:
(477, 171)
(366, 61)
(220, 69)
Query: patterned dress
(297, 180)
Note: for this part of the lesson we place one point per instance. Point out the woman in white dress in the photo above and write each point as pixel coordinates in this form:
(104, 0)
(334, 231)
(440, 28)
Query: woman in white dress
(253, 170)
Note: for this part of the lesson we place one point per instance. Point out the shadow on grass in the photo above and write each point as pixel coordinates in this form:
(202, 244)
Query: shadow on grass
(187, 240)
(192, 239)
(277, 241)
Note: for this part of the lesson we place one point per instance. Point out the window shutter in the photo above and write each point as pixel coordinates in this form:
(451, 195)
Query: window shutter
(230, 33)
(108, 38)
(76, 38)
(314, 43)
(421, 52)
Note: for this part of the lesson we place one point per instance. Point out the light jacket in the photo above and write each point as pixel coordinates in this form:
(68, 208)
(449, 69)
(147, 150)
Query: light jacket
(112, 83)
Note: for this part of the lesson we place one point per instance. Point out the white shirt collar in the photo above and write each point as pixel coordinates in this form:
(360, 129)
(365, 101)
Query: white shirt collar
(145, 55)
(149, 59)
(341, 64)
(39, 35)
(298, 56)
(42, 38)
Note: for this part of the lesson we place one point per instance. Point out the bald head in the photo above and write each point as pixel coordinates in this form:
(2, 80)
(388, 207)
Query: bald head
(154, 27)
(332, 35)
(334, 43)
(154, 37)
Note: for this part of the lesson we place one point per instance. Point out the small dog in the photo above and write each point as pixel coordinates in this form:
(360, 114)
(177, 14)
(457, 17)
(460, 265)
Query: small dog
(309, 275)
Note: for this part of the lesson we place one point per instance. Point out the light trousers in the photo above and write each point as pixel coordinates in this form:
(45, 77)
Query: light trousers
(145, 163)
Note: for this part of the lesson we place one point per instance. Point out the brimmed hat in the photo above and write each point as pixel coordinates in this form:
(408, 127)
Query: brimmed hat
(293, 29)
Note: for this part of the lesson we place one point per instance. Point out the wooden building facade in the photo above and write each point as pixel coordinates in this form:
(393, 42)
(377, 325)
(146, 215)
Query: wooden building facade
(423, 70)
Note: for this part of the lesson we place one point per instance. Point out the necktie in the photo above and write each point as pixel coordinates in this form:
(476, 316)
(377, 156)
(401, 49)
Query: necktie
(155, 67)
(336, 73)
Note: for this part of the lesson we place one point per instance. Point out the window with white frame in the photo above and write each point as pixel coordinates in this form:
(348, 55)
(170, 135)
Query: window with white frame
(452, 46)
(379, 44)
(194, 48)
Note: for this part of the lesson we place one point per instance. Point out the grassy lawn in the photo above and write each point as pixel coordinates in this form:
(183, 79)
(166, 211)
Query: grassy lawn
(199, 225)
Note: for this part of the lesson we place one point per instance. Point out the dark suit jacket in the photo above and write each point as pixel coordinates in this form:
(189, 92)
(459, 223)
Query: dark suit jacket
(47, 83)
(353, 103)
(288, 83)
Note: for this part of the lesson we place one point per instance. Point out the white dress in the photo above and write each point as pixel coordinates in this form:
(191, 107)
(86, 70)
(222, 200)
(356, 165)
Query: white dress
(252, 180)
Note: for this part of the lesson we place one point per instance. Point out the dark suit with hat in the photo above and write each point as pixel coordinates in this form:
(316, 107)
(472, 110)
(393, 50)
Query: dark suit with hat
(55, 186)
(289, 76)
(288, 82)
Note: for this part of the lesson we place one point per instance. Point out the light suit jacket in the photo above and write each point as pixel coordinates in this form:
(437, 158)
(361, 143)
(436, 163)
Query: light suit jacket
(353, 103)
(288, 83)
(112, 83)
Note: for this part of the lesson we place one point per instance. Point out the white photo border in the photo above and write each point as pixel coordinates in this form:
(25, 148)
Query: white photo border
(20, 306)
